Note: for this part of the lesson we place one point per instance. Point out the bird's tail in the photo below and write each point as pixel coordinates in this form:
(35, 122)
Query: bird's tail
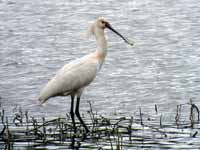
(43, 97)
(42, 100)
(45, 94)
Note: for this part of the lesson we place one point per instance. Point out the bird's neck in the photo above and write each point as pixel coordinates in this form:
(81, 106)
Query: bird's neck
(101, 43)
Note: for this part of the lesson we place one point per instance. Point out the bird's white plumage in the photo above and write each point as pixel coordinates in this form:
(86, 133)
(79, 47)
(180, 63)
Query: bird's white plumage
(71, 77)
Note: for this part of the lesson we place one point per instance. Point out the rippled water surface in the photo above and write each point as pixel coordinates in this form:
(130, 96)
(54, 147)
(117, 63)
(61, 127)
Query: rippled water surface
(38, 37)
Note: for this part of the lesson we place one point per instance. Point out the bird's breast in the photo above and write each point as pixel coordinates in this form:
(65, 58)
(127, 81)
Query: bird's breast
(99, 56)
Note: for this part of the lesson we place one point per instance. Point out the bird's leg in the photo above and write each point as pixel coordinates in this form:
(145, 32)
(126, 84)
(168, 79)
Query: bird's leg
(78, 115)
(72, 112)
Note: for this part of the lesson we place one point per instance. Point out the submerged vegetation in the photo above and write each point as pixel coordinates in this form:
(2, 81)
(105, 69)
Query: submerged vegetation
(119, 133)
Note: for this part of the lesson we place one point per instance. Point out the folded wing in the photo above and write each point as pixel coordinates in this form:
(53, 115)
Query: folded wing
(70, 78)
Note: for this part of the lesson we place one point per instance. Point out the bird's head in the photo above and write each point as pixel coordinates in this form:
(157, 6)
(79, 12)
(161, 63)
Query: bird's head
(100, 24)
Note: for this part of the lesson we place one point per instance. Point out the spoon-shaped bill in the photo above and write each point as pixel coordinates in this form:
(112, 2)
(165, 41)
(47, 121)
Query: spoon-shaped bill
(112, 29)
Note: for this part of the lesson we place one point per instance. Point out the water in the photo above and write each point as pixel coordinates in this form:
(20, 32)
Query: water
(39, 37)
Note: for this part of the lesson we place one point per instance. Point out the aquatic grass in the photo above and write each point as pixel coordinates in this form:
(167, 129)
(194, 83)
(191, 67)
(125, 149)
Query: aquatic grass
(138, 131)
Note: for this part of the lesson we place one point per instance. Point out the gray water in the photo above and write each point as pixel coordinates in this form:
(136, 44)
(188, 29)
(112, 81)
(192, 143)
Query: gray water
(39, 37)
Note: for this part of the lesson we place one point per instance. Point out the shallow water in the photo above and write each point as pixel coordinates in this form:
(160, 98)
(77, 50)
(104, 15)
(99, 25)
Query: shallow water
(142, 131)
(38, 37)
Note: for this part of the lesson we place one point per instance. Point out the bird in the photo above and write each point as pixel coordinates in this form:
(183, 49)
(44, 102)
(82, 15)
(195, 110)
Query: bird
(73, 77)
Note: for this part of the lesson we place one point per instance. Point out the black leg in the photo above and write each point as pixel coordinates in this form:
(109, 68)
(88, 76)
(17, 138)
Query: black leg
(78, 115)
(72, 112)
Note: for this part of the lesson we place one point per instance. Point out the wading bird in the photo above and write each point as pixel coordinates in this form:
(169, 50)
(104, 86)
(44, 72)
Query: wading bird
(73, 77)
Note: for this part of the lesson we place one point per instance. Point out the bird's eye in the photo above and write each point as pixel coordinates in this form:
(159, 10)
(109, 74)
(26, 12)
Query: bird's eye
(103, 22)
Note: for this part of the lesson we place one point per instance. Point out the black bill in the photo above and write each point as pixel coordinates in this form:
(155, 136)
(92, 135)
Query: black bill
(126, 40)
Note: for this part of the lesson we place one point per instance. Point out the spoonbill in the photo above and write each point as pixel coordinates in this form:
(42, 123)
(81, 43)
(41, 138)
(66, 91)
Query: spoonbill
(73, 77)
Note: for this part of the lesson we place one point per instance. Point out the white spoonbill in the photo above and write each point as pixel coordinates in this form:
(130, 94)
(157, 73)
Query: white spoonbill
(73, 77)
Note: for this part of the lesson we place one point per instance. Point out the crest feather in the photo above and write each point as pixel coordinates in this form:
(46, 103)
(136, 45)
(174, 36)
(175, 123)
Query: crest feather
(90, 31)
